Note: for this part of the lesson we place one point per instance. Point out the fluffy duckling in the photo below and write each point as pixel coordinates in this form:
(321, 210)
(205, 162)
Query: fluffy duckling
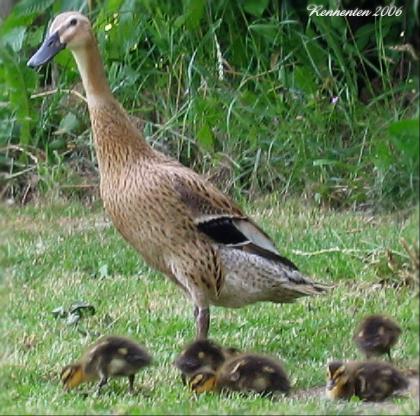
(244, 373)
(368, 380)
(200, 355)
(376, 335)
(253, 373)
(109, 356)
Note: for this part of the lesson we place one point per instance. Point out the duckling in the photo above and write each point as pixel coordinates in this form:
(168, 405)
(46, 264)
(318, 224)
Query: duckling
(109, 356)
(200, 355)
(368, 380)
(253, 373)
(376, 335)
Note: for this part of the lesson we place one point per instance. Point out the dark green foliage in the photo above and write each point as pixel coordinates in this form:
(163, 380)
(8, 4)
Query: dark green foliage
(318, 106)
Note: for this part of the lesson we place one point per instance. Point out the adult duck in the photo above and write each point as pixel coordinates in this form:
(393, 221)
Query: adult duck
(180, 223)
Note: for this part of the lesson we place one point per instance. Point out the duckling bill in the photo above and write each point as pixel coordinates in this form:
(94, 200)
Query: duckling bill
(368, 380)
(376, 335)
(203, 381)
(110, 356)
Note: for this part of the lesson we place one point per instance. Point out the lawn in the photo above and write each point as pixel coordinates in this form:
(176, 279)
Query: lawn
(56, 254)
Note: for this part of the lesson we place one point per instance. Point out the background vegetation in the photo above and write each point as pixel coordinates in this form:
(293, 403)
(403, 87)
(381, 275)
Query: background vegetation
(255, 93)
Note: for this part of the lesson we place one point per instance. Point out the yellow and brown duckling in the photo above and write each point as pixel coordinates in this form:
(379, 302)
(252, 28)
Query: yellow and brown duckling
(201, 355)
(246, 373)
(253, 373)
(376, 335)
(110, 356)
(368, 380)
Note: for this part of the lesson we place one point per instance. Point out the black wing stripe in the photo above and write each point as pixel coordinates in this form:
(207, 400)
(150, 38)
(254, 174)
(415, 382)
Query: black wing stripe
(222, 230)
(252, 248)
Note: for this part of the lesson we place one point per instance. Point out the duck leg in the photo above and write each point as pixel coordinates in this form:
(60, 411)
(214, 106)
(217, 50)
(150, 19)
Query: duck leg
(202, 319)
(103, 380)
(131, 383)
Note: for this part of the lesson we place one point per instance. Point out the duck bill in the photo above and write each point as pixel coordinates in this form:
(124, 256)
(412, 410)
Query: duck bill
(47, 51)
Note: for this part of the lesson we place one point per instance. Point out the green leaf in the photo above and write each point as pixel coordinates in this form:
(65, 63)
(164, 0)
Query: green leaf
(205, 138)
(193, 10)
(68, 124)
(255, 7)
(363, 35)
(383, 158)
(27, 7)
(14, 38)
(405, 135)
(405, 128)
(129, 8)
(35, 38)
(63, 5)
(112, 6)
(17, 91)
(267, 30)
(304, 80)
(65, 59)
(57, 144)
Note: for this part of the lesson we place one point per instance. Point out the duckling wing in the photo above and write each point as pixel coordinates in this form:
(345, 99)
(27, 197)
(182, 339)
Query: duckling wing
(215, 215)
(139, 359)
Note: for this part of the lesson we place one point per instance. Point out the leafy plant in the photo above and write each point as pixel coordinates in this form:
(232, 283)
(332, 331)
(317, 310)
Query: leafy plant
(299, 104)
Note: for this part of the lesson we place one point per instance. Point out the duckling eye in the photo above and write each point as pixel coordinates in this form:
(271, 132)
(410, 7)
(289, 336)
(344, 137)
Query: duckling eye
(73, 22)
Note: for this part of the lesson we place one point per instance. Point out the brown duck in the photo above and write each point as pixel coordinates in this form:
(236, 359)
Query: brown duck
(181, 224)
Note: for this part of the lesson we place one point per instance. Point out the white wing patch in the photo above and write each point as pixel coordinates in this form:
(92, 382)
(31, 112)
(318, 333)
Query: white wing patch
(255, 235)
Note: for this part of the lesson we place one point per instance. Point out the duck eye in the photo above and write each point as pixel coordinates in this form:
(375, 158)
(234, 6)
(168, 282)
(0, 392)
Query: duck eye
(73, 22)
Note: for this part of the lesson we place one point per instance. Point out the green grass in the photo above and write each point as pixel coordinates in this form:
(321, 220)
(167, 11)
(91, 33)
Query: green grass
(54, 255)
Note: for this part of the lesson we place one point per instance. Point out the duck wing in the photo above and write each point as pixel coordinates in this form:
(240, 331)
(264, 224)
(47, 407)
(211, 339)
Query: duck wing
(217, 216)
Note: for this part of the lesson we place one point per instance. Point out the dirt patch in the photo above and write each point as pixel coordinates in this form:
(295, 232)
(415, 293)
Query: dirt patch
(97, 222)
(24, 223)
(413, 388)
(305, 394)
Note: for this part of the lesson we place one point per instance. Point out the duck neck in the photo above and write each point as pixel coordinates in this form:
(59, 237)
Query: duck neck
(91, 70)
(115, 137)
